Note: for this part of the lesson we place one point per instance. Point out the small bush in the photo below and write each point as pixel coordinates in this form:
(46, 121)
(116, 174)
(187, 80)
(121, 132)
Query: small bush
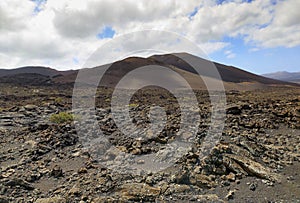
(62, 117)
(133, 105)
(58, 100)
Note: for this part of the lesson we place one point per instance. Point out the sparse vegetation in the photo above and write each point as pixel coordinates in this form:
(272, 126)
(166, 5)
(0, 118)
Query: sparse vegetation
(62, 117)
(133, 105)
(58, 100)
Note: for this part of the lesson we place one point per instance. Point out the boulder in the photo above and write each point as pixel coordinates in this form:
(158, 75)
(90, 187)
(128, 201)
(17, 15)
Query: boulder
(139, 191)
(51, 200)
(254, 168)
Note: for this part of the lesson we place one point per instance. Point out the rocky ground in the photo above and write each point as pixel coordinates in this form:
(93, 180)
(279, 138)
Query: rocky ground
(256, 160)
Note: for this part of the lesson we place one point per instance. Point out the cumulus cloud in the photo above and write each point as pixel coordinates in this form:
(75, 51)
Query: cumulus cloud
(229, 54)
(35, 39)
(229, 19)
(283, 30)
(13, 14)
(54, 32)
(97, 14)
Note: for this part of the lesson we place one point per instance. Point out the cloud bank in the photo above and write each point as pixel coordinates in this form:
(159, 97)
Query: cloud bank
(63, 34)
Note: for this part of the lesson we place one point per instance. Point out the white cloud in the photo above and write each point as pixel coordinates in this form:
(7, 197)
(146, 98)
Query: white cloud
(229, 54)
(283, 30)
(97, 14)
(13, 14)
(230, 19)
(66, 29)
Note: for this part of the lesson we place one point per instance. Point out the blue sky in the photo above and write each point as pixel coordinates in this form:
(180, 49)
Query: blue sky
(260, 36)
(244, 55)
(106, 32)
(264, 60)
(38, 5)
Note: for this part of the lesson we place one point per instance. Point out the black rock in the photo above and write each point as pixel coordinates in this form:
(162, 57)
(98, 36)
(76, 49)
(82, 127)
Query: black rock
(19, 182)
(253, 186)
(234, 110)
(56, 172)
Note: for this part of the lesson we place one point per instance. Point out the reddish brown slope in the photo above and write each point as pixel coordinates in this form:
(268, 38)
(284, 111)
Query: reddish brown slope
(233, 78)
(228, 73)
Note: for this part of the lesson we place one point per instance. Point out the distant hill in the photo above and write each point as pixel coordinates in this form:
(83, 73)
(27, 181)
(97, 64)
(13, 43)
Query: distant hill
(45, 71)
(285, 76)
(33, 79)
(232, 77)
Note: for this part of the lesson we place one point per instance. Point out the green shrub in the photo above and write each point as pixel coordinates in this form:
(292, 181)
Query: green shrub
(133, 105)
(58, 100)
(62, 117)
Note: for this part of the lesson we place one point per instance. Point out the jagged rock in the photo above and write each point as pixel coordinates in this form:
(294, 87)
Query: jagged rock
(30, 107)
(254, 168)
(181, 178)
(105, 200)
(231, 177)
(231, 165)
(82, 170)
(208, 198)
(6, 122)
(235, 110)
(176, 188)
(4, 199)
(139, 191)
(250, 144)
(33, 177)
(202, 181)
(253, 186)
(246, 107)
(51, 200)
(56, 172)
(74, 191)
(19, 182)
(8, 173)
(230, 195)
(252, 147)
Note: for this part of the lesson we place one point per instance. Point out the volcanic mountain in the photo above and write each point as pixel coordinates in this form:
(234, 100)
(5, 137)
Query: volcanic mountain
(181, 63)
(284, 76)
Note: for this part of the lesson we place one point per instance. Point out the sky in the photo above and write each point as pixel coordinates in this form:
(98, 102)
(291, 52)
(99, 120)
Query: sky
(259, 36)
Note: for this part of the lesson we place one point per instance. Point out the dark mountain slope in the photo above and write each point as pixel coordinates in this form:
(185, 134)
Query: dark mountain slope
(228, 73)
(34, 69)
(233, 78)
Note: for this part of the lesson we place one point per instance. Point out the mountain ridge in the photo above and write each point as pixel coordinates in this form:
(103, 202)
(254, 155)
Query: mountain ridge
(284, 76)
(232, 77)
(42, 70)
